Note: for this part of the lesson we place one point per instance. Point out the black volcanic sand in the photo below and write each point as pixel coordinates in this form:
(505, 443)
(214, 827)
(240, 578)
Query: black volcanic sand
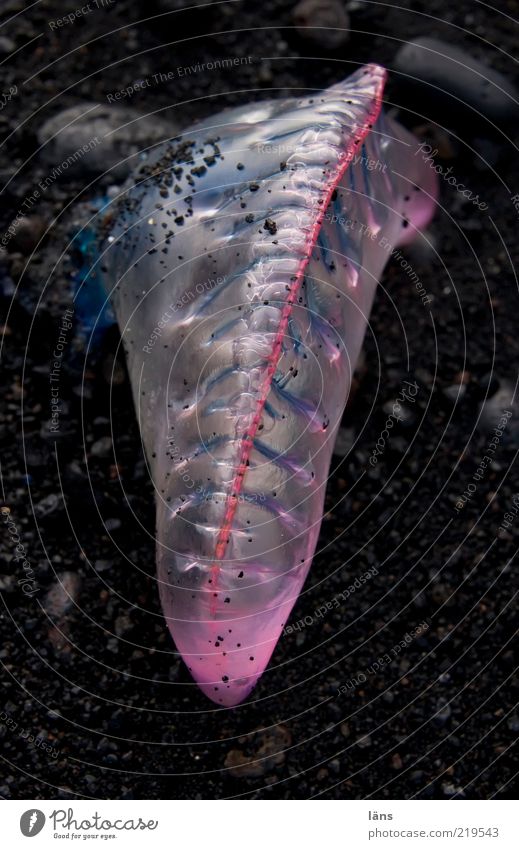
(95, 701)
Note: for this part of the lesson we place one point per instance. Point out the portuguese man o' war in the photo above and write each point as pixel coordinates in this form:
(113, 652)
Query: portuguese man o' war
(242, 265)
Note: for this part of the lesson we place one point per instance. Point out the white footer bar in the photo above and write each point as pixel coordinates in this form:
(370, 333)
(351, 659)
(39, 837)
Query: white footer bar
(256, 824)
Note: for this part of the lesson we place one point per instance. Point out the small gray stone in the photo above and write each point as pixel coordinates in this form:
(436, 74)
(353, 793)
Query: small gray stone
(6, 45)
(48, 505)
(7, 287)
(500, 412)
(444, 711)
(62, 595)
(400, 411)
(122, 624)
(446, 76)
(102, 447)
(344, 441)
(7, 583)
(93, 138)
(324, 23)
(455, 393)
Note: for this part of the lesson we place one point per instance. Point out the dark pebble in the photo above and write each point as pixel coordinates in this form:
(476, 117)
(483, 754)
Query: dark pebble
(29, 231)
(324, 23)
(452, 79)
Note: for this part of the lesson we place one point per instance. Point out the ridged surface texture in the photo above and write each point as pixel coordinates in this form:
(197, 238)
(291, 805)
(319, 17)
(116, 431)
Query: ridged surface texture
(242, 265)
